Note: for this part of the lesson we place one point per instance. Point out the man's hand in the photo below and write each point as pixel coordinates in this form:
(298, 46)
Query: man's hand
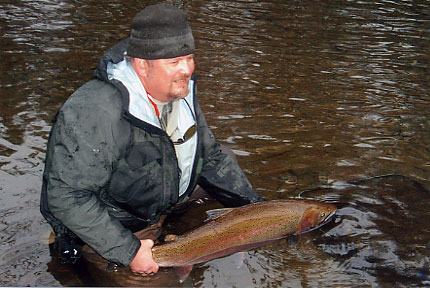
(143, 262)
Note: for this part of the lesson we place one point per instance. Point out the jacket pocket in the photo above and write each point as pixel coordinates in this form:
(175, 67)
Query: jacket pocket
(136, 182)
(142, 154)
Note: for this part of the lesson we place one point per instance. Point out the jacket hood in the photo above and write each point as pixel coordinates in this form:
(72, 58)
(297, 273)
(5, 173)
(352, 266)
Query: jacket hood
(115, 54)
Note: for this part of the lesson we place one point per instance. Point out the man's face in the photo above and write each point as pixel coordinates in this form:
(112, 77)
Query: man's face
(167, 79)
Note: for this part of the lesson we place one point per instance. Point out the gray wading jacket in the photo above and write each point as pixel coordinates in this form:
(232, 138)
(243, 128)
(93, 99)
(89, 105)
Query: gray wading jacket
(104, 166)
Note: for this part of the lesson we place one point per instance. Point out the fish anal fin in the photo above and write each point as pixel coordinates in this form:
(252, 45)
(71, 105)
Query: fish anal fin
(215, 213)
(183, 272)
(238, 259)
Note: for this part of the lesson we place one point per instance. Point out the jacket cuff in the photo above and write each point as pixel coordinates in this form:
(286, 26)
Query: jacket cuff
(132, 251)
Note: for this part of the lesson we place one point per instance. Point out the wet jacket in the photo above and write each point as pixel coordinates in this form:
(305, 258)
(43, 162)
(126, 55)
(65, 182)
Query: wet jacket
(105, 167)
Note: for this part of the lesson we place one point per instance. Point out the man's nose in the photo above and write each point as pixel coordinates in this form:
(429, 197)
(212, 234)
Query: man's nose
(187, 66)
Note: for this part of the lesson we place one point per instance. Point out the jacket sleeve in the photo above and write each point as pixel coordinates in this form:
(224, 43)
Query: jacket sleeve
(81, 150)
(221, 175)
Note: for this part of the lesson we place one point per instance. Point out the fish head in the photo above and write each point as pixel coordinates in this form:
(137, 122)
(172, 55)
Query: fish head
(315, 216)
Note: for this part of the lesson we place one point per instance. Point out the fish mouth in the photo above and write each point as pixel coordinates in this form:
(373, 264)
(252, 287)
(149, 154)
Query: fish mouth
(328, 218)
(320, 224)
(325, 221)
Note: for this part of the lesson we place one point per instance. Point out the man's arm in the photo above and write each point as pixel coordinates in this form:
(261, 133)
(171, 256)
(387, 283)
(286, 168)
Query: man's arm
(82, 147)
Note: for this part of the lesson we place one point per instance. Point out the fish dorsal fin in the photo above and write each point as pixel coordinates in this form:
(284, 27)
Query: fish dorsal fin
(170, 238)
(215, 213)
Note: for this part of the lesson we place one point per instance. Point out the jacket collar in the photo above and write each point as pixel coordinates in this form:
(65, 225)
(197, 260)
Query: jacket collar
(116, 70)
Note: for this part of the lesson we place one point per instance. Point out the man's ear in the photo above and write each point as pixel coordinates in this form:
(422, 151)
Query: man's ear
(140, 66)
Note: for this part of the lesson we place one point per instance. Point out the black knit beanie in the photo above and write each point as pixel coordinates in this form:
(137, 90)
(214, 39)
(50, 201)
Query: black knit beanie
(160, 31)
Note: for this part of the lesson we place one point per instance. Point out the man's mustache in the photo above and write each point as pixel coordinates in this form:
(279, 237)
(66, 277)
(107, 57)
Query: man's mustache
(181, 79)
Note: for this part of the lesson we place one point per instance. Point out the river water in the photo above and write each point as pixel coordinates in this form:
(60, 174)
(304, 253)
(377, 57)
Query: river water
(307, 93)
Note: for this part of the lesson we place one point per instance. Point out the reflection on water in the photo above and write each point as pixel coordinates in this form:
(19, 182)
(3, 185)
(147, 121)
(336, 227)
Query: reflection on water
(307, 93)
(381, 233)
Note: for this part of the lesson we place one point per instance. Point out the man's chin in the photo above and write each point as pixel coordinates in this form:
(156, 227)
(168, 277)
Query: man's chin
(181, 93)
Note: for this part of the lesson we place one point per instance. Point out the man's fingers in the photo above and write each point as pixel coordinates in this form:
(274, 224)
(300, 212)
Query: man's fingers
(143, 272)
(143, 262)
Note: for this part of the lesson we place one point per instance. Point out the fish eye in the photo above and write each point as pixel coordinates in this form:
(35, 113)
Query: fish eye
(322, 214)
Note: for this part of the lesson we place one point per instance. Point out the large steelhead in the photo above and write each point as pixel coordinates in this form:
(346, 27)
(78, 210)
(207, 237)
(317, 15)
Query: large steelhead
(243, 228)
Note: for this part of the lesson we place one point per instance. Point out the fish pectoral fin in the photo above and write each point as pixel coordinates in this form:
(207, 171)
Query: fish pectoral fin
(304, 226)
(183, 272)
(215, 213)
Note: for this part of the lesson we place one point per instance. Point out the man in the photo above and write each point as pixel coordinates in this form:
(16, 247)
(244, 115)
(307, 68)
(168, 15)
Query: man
(131, 144)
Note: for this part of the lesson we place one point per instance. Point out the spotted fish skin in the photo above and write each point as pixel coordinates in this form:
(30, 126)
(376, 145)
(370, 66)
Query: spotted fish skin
(243, 228)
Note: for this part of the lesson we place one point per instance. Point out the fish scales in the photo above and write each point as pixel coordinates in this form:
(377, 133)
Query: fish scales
(243, 228)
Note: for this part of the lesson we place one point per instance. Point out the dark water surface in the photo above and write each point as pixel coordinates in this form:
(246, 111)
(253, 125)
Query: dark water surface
(307, 93)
